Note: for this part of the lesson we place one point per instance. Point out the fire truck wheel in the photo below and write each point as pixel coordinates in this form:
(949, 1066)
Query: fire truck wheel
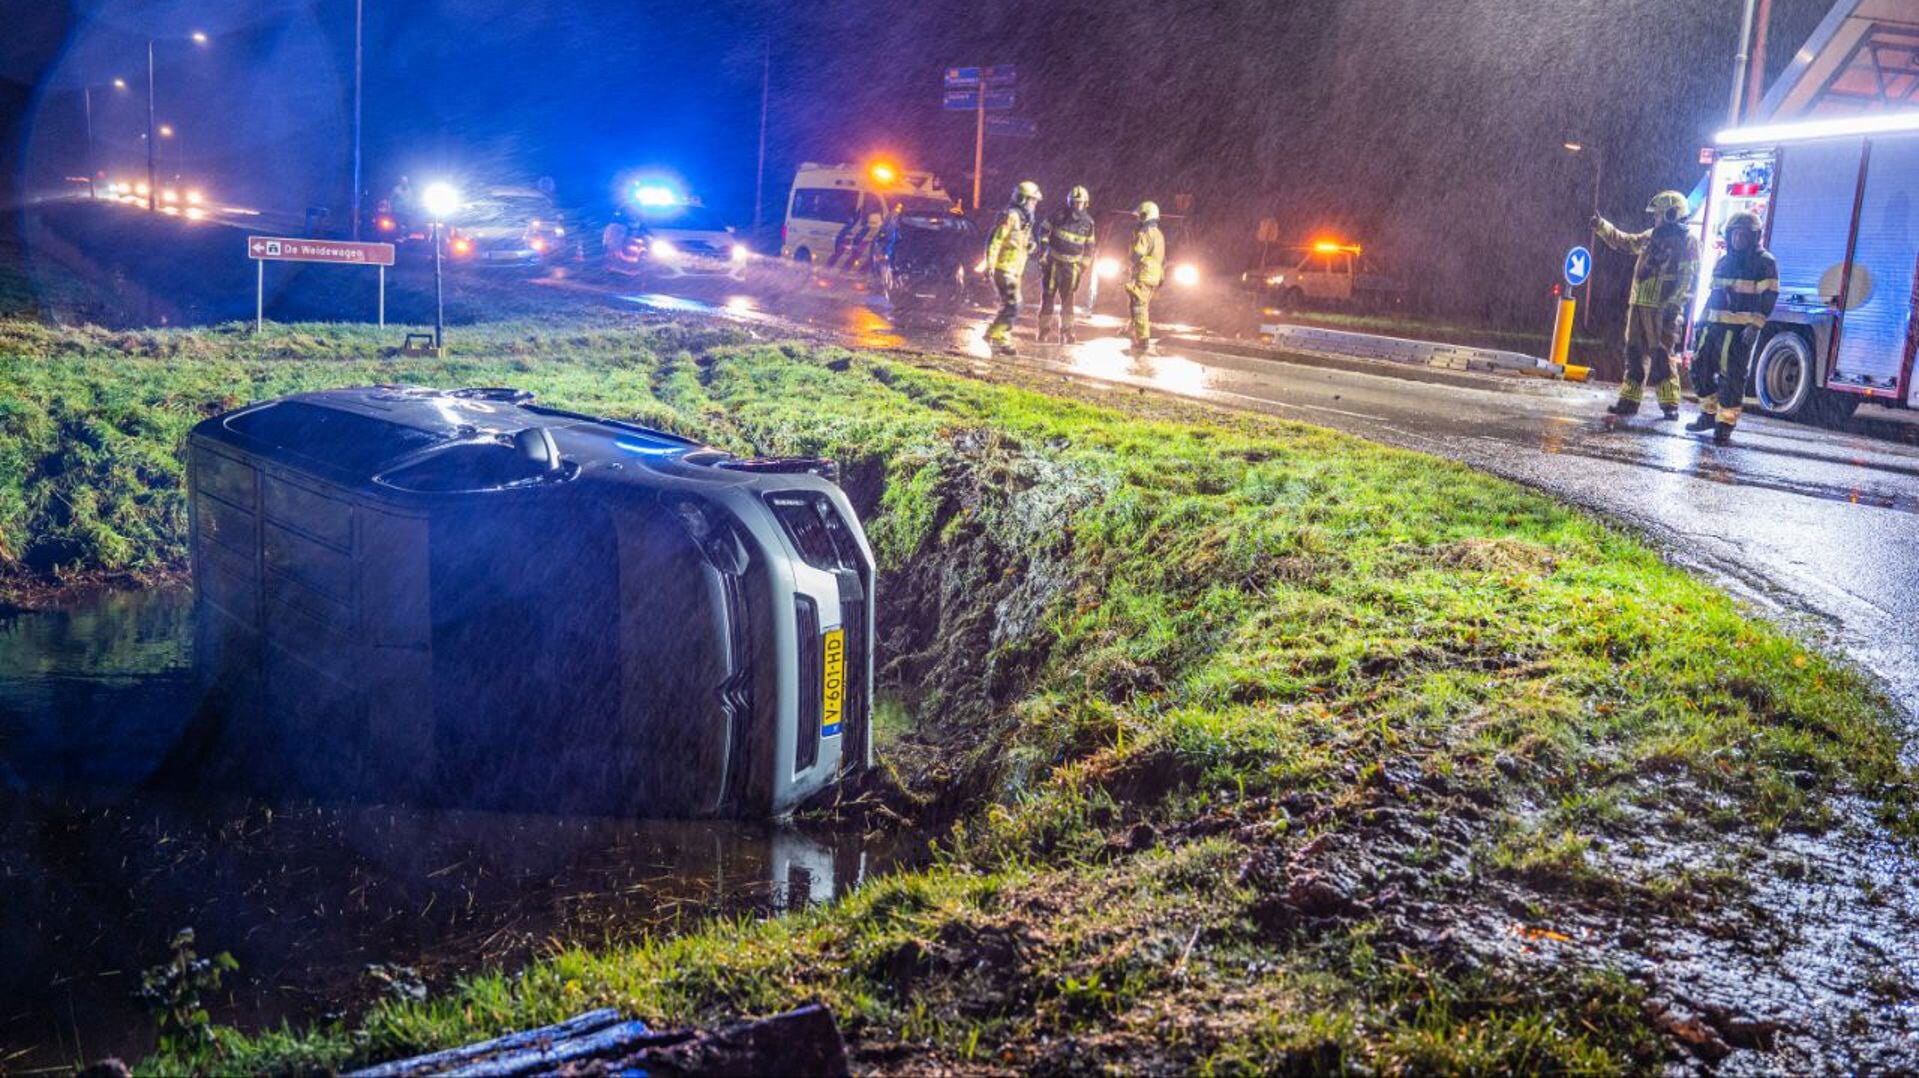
(1784, 378)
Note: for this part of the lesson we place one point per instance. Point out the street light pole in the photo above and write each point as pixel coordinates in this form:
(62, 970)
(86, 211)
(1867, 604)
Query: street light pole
(1585, 316)
(759, 172)
(358, 19)
(441, 201)
(86, 94)
(1739, 66)
(439, 292)
(153, 180)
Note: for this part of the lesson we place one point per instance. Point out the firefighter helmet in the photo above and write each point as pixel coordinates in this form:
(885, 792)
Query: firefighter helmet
(1745, 219)
(1669, 206)
(1026, 189)
(1148, 211)
(1079, 196)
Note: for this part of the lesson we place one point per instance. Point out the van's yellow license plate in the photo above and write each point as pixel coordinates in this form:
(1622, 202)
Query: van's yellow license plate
(833, 685)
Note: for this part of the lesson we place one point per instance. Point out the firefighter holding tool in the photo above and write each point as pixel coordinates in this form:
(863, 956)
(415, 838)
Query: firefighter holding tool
(1662, 276)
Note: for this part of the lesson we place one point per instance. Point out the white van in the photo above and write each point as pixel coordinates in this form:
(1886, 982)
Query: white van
(835, 212)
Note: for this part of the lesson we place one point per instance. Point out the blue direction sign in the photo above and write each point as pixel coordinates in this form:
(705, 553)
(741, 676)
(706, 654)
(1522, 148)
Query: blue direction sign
(1578, 267)
(967, 100)
(1012, 126)
(961, 78)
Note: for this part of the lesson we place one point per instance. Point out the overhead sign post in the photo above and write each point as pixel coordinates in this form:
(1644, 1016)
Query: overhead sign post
(264, 249)
(979, 89)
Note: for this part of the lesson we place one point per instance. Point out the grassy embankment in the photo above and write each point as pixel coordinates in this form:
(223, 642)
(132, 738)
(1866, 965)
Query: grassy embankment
(1265, 744)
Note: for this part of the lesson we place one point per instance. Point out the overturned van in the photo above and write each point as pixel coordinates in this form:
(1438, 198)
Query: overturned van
(465, 597)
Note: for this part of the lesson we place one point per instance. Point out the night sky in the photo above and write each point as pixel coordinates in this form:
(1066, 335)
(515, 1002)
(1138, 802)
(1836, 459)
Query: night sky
(1431, 132)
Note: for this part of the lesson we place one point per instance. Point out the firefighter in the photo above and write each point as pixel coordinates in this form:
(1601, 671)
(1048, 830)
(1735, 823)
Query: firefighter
(1066, 249)
(1745, 285)
(1661, 280)
(1006, 253)
(1145, 270)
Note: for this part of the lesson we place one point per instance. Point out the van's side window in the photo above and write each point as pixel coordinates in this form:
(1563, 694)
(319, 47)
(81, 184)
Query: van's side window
(817, 204)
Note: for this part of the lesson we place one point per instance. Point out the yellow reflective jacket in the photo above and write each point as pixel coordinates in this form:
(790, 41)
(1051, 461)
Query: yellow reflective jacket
(1744, 289)
(1011, 242)
(1149, 256)
(1668, 262)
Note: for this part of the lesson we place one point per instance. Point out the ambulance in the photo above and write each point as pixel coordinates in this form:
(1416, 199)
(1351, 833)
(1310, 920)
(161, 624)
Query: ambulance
(834, 213)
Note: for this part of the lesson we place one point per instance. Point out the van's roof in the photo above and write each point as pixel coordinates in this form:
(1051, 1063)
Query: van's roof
(355, 434)
(924, 183)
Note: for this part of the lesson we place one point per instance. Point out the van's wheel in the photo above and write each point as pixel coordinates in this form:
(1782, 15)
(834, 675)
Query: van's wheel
(1293, 299)
(1783, 376)
(802, 254)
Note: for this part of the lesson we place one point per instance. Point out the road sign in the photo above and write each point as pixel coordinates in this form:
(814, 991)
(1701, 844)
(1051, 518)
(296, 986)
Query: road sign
(1578, 266)
(264, 249)
(1012, 127)
(961, 78)
(967, 100)
(287, 249)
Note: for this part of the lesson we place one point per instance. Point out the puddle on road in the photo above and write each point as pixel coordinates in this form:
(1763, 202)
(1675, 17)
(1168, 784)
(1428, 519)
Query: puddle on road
(326, 907)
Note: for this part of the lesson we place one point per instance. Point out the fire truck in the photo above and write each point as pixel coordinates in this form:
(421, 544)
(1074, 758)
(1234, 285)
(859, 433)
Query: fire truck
(1839, 201)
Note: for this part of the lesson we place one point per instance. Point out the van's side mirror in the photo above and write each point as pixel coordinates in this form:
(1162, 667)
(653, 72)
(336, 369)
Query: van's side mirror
(536, 445)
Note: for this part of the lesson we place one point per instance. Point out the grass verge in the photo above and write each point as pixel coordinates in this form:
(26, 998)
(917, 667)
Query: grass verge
(1263, 747)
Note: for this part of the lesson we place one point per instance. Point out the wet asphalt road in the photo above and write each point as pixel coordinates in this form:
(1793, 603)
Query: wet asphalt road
(1817, 527)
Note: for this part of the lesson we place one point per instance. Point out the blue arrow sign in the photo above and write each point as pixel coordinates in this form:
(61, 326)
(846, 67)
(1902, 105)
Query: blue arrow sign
(1578, 267)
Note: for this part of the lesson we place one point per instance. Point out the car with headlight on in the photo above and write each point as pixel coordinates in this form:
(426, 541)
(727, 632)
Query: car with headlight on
(509, 227)
(658, 235)
(1181, 293)
(464, 597)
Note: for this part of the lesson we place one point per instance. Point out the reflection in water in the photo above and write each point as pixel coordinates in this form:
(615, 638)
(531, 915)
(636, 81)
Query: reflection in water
(1552, 439)
(660, 301)
(870, 329)
(1102, 357)
(1111, 359)
(1177, 374)
(103, 865)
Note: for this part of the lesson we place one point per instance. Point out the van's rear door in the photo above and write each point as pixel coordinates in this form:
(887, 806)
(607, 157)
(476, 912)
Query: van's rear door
(1874, 353)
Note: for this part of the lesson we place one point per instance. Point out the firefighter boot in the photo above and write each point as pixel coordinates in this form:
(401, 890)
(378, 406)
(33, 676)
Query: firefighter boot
(1703, 422)
(1623, 407)
(1669, 411)
(1722, 434)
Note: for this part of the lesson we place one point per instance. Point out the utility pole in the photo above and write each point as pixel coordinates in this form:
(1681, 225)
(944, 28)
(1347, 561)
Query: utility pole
(759, 170)
(359, 12)
(1739, 67)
